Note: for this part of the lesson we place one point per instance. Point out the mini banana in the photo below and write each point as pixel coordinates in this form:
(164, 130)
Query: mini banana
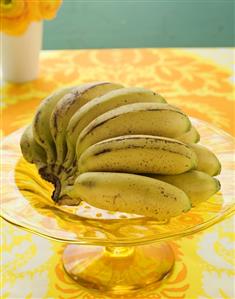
(158, 119)
(34, 153)
(100, 105)
(207, 160)
(138, 154)
(128, 193)
(31, 150)
(121, 149)
(65, 109)
(192, 136)
(198, 185)
(41, 127)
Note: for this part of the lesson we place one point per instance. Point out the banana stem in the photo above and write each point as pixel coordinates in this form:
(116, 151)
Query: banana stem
(52, 178)
(61, 184)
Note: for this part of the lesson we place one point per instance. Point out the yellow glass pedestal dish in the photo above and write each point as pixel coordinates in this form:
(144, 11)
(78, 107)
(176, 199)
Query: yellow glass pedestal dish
(111, 252)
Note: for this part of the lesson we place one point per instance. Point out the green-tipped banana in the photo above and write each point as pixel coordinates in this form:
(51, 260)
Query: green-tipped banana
(31, 150)
(192, 136)
(128, 193)
(198, 185)
(207, 160)
(138, 154)
(100, 105)
(41, 124)
(65, 109)
(34, 153)
(156, 119)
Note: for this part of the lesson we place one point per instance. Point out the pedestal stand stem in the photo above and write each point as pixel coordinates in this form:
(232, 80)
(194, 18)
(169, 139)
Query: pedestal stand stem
(118, 270)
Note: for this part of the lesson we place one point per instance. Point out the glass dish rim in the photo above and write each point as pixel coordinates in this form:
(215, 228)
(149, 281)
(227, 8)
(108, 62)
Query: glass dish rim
(220, 216)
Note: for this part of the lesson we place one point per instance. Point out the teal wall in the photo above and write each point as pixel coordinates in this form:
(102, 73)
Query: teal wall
(125, 23)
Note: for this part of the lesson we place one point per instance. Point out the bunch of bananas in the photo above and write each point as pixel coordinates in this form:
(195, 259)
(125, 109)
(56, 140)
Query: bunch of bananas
(120, 149)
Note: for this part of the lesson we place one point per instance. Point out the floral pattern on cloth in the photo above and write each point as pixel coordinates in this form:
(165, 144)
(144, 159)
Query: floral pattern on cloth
(204, 268)
(202, 89)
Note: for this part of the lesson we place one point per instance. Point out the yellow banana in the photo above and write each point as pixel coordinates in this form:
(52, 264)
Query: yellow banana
(192, 136)
(198, 185)
(41, 126)
(31, 150)
(129, 193)
(207, 160)
(138, 154)
(65, 109)
(142, 118)
(100, 105)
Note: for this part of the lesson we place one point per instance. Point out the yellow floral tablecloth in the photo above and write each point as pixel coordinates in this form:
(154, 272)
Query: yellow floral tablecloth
(201, 81)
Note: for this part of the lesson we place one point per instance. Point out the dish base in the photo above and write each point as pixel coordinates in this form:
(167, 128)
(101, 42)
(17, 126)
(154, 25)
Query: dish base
(118, 270)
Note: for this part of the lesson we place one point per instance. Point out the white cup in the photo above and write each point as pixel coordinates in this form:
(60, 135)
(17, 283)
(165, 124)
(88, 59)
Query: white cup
(20, 54)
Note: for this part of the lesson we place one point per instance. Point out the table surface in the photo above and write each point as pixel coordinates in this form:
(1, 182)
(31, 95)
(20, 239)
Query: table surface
(201, 82)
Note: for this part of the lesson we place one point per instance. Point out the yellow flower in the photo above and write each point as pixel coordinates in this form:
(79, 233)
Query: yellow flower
(49, 8)
(16, 15)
